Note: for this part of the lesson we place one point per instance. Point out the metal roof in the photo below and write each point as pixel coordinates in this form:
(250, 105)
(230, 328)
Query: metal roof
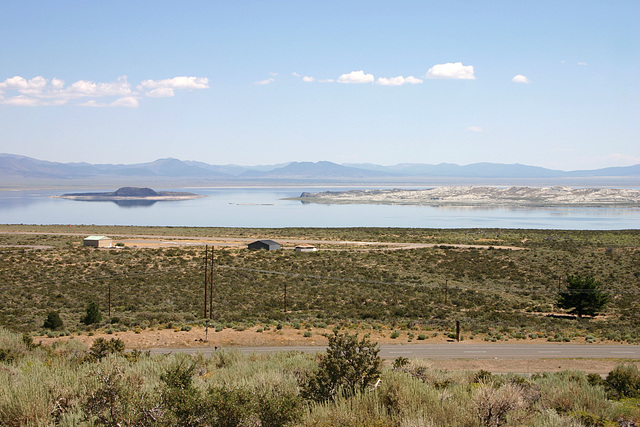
(267, 242)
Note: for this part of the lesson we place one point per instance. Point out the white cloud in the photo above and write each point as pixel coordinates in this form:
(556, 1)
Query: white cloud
(327, 81)
(520, 79)
(57, 83)
(40, 91)
(356, 77)
(14, 83)
(127, 101)
(182, 82)
(583, 64)
(308, 79)
(451, 70)
(20, 100)
(475, 129)
(397, 81)
(161, 92)
(266, 81)
(294, 74)
(84, 88)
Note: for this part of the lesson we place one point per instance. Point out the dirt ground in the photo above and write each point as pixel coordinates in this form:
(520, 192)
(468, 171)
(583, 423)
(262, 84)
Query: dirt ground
(196, 338)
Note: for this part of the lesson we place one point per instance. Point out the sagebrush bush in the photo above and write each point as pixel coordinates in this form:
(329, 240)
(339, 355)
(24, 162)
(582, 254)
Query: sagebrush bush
(349, 365)
(623, 381)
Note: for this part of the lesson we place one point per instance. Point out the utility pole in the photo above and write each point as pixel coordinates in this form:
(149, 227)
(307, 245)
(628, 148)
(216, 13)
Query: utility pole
(211, 285)
(285, 298)
(446, 292)
(206, 277)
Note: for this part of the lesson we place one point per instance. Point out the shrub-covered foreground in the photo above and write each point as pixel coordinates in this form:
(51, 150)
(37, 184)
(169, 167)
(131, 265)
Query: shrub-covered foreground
(69, 384)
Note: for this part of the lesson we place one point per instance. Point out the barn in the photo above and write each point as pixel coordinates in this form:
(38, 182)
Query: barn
(268, 245)
(98, 241)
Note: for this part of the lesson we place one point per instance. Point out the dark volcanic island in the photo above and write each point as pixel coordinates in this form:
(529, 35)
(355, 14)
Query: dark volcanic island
(132, 193)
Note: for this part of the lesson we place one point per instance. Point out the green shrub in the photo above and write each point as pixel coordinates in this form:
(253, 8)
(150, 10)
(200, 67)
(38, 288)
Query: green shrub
(277, 408)
(400, 362)
(229, 407)
(349, 366)
(119, 400)
(53, 320)
(623, 381)
(395, 334)
(180, 398)
(101, 347)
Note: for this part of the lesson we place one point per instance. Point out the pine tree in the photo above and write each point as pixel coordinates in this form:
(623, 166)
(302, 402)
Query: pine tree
(93, 314)
(583, 296)
(53, 320)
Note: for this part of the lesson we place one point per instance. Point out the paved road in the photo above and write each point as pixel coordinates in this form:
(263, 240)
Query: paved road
(462, 351)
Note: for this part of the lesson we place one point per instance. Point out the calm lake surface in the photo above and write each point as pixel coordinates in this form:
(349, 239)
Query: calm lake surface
(264, 207)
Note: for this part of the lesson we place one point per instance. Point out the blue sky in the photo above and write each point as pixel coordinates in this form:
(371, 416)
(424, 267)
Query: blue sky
(546, 83)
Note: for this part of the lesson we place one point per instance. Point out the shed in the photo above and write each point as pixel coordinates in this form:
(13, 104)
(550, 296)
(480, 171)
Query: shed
(98, 241)
(268, 245)
(306, 248)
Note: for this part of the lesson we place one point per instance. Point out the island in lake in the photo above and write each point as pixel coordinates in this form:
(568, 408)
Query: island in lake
(483, 197)
(132, 193)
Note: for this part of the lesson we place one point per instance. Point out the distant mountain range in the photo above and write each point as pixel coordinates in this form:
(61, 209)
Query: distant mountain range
(15, 168)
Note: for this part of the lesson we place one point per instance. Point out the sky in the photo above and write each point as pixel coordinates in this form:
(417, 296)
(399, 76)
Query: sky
(552, 83)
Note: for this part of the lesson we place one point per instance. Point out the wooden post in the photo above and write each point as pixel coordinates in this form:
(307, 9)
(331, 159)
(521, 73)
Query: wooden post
(109, 299)
(458, 330)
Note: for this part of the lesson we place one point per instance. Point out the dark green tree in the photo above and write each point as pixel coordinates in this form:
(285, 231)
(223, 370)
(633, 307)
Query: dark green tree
(349, 366)
(93, 314)
(53, 320)
(583, 296)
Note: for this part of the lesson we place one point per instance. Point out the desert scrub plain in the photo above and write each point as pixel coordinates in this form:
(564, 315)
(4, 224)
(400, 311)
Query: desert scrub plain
(496, 294)
(70, 384)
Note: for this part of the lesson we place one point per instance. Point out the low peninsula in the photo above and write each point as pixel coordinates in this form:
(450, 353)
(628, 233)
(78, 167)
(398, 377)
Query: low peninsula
(132, 193)
(478, 196)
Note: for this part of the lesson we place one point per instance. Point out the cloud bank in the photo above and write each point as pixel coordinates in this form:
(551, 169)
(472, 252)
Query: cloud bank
(40, 91)
(450, 70)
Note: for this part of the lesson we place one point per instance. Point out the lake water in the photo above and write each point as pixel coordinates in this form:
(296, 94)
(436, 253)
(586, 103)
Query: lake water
(264, 207)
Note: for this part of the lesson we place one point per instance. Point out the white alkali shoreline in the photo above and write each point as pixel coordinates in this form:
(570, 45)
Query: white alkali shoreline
(484, 196)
